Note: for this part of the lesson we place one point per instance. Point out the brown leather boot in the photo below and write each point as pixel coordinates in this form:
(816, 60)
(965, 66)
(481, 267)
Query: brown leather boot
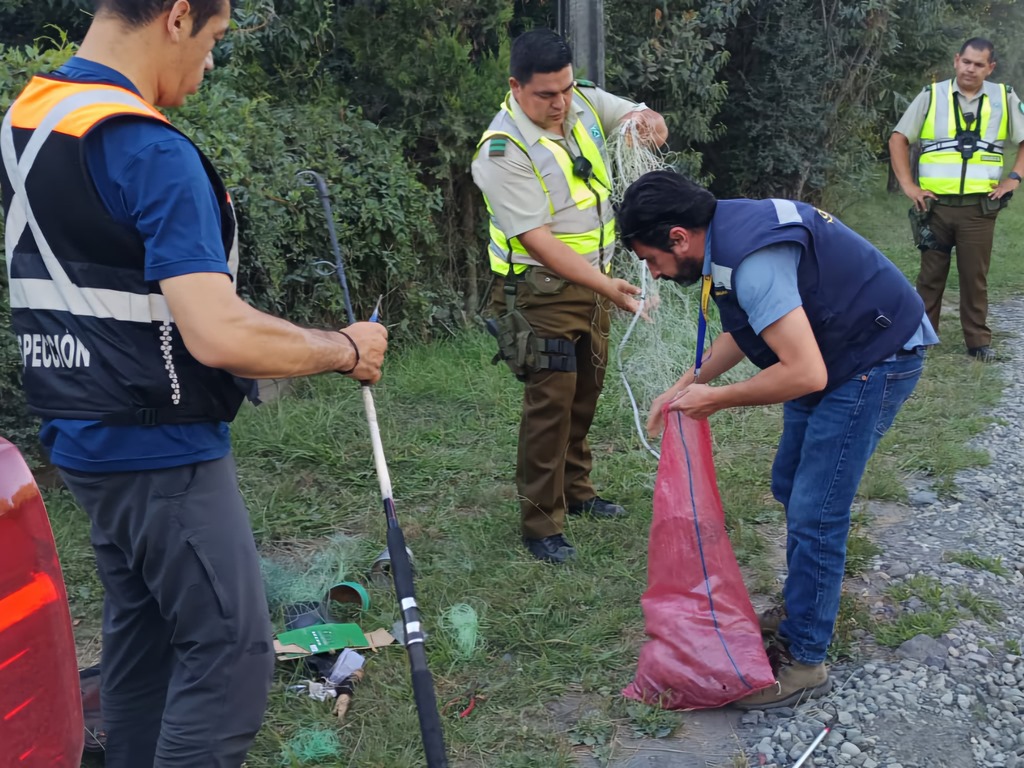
(795, 683)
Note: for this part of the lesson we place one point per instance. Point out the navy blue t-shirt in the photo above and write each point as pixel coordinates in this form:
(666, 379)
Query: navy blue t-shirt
(150, 178)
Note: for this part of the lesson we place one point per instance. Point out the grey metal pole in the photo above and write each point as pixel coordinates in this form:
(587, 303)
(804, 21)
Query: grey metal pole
(586, 36)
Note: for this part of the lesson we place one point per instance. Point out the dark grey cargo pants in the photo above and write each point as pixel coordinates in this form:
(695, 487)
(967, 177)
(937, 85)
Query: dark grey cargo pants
(187, 647)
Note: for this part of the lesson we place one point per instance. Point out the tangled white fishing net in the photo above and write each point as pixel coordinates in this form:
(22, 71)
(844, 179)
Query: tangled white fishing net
(652, 354)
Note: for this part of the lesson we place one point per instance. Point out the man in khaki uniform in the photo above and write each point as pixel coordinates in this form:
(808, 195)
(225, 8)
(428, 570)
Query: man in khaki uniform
(962, 124)
(544, 173)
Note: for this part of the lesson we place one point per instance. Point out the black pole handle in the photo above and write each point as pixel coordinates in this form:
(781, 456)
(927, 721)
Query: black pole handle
(422, 680)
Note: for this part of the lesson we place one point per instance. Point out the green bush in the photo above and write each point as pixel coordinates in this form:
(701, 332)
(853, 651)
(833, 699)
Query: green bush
(816, 88)
(382, 212)
(671, 55)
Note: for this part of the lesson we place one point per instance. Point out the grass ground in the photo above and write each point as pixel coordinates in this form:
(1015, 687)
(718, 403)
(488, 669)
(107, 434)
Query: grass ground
(449, 423)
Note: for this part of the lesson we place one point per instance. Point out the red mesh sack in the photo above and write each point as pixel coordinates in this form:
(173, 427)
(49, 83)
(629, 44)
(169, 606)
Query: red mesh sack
(704, 648)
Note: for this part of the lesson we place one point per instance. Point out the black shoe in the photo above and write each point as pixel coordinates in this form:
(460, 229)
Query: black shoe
(982, 354)
(551, 549)
(597, 507)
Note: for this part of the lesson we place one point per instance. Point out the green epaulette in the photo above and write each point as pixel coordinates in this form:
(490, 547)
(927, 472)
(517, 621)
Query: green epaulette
(496, 147)
(585, 83)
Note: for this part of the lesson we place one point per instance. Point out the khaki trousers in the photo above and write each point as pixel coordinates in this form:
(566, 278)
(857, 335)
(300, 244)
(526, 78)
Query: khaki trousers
(554, 459)
(970, 230)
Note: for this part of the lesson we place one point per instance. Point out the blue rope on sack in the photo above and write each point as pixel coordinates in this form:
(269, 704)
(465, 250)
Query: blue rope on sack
(700, 548)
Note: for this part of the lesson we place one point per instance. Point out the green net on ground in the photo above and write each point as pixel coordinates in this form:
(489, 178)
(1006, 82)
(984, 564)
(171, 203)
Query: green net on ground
(462, 622)
(303, 572)
(309, 746)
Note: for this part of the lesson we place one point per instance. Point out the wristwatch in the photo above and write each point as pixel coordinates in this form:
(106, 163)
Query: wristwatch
(1015, 176)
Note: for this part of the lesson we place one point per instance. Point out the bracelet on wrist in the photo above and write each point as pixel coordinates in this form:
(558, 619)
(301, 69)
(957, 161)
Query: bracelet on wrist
(354, 349)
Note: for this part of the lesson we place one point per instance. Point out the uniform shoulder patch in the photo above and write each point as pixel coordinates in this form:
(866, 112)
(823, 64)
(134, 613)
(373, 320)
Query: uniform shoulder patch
(496, 147)
(586, 83)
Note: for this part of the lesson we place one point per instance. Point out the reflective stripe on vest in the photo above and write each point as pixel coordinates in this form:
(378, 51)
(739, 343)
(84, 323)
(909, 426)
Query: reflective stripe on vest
(941, 164)
(573, 205)
(52, 106)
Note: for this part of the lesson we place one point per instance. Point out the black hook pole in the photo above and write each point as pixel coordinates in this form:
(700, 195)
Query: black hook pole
(314, 179)
(401, 568)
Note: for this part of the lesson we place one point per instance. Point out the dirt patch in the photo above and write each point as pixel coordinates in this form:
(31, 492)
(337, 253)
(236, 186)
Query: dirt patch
(707, 739)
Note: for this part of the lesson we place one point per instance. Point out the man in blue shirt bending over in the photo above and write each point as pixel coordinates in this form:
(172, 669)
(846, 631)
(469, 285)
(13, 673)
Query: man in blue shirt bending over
(122, 254)
(839, 335)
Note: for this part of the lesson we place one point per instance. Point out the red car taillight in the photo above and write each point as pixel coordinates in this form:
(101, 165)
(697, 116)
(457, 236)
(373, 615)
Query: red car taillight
(40, 703)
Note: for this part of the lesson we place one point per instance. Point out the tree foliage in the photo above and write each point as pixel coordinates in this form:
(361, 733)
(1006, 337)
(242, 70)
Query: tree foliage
(816, 86)
(671, 55)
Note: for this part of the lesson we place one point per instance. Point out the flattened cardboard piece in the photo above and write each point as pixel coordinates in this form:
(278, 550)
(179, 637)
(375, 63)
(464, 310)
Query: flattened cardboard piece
(378, 639)
(328, 637)
(319, 638)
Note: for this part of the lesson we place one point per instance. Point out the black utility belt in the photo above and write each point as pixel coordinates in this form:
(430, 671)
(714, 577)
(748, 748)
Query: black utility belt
(981, 199)
(961, 201)
(913, 352)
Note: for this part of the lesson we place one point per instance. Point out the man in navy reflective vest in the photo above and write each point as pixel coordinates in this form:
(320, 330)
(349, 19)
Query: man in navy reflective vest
(122, 255)
(839, 335)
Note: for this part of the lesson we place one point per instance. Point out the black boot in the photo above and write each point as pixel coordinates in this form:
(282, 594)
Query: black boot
(551, 549)
(982, 354)
(597, 507)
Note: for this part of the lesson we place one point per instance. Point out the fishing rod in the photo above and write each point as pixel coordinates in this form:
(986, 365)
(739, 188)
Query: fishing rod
(401, 568)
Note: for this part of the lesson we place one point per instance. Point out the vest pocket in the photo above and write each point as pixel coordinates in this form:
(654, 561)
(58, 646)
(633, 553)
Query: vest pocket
(867, 325)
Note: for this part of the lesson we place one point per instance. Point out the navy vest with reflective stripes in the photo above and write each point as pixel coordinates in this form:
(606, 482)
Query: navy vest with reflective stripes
(97, 340)
(860, 306)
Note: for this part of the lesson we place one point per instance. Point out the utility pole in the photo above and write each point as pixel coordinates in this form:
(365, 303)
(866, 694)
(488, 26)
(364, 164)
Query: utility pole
(562, 18)
(581, 22)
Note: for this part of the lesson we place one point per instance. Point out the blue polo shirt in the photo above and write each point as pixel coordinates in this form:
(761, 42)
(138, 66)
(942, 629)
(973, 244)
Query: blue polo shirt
(150, 179)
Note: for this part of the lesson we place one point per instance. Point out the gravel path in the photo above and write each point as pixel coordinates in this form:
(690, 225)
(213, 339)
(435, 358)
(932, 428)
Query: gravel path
(955, 701)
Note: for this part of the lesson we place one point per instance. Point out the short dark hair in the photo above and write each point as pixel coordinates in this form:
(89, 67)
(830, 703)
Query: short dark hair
(980, 44)
(538, 51)
(138, 13)
(659, 201)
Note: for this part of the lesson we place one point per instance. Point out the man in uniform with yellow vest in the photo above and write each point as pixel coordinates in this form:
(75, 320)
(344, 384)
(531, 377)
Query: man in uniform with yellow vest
(963, 125)
(121, 252)
(544, 173)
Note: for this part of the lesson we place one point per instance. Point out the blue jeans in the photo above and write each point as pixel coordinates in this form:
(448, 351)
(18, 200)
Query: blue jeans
(822, 455)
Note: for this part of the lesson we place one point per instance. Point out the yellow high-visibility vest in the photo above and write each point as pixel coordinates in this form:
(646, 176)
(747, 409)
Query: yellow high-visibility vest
(942, 169)
(582, 213)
